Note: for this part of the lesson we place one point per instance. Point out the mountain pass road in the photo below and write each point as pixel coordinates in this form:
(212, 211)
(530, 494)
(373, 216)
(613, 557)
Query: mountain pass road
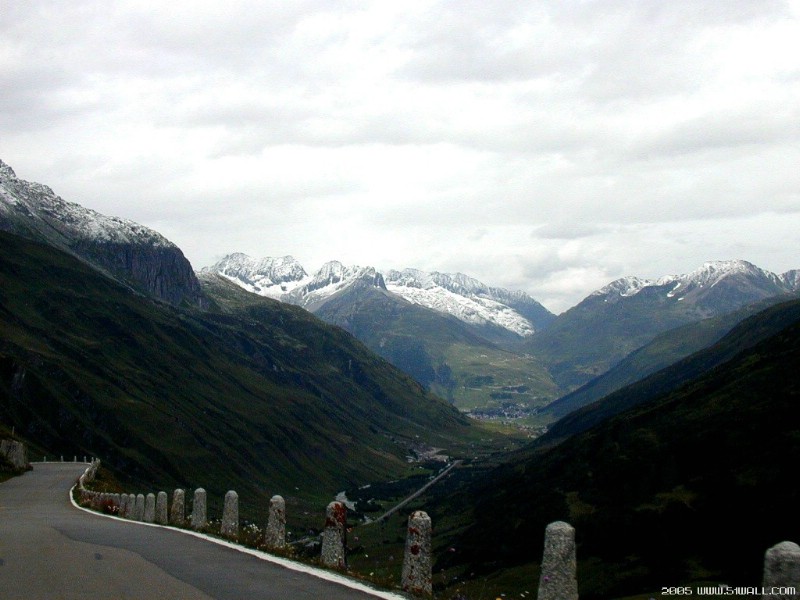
(50, 550)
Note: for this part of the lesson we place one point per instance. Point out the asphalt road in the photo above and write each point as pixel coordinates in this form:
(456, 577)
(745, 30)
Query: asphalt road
(50, 550)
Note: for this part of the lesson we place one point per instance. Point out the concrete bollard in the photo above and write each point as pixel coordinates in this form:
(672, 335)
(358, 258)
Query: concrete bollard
(230, 516)
(782, 569)
(161, 508)
(417, 577)
(275, 537)
(334, 536)
(149, 508)
(130, 506)
(177, 514)
(123, 504)
(558, 580)
(138, 508)
(199, 509)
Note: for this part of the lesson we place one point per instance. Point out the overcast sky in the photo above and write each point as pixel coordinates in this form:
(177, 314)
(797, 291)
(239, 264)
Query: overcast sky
(549, 146)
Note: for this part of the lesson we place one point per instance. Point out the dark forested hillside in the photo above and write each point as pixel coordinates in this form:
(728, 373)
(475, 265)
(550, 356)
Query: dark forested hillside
(692, 485)
(258, 397)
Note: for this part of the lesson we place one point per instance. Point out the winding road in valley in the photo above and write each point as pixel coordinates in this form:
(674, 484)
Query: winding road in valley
(50, 550)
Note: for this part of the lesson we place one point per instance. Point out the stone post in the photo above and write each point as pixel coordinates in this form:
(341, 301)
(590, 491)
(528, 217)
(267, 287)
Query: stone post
(199, 509)
(334, 536)
(130, 506)
(15, 453)
(161, 508)
(123, 505)
(177, 514)
(138, 509)
(557, 580)
(275, 536)
(782, 569)
(150, 508)
(230, 515)
(417, 577)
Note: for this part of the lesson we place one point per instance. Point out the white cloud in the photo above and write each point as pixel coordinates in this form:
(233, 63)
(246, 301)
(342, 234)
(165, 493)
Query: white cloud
(548, 146)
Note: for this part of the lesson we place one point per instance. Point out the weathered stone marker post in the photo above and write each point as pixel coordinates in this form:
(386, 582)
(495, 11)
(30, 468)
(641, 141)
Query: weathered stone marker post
(275, 537)
(557, 580)
(150, 508)
(177, 514)
(138, 508)
(199, 509)
(333, 537)
(161, 508)
(417, 577)
(130, 506)
(230, 515)
(15, 453)
(782, 569)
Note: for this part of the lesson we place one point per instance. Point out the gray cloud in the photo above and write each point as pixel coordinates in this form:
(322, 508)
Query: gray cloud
(548, 146)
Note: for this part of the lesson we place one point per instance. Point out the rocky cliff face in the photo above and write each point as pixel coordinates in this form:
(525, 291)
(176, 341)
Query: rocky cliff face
(162, 272)
(127, 251)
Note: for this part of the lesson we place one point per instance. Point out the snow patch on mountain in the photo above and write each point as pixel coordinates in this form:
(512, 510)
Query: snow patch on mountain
(456, 294)
(459, 295)
(791, 279)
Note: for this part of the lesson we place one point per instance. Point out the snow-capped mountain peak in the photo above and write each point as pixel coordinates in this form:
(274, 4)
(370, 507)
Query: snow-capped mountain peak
(332, 277)
(624, 286)
(272, 277)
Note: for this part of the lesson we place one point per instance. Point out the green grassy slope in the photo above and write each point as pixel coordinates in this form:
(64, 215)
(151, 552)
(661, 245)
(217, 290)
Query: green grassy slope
(590, 338)
(444, 354)
(262, 397)
(693, 485)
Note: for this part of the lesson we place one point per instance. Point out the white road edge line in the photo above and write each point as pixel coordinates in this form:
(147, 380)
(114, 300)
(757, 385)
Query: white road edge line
(284, 562)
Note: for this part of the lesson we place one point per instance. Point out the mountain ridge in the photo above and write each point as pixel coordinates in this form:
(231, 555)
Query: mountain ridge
(456, 294)
(590, 338)
(130, 252)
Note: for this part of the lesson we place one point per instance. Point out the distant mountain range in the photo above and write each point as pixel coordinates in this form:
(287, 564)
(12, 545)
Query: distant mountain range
(456, 294)
(590, 338)
(559, 353)
(483, 348)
